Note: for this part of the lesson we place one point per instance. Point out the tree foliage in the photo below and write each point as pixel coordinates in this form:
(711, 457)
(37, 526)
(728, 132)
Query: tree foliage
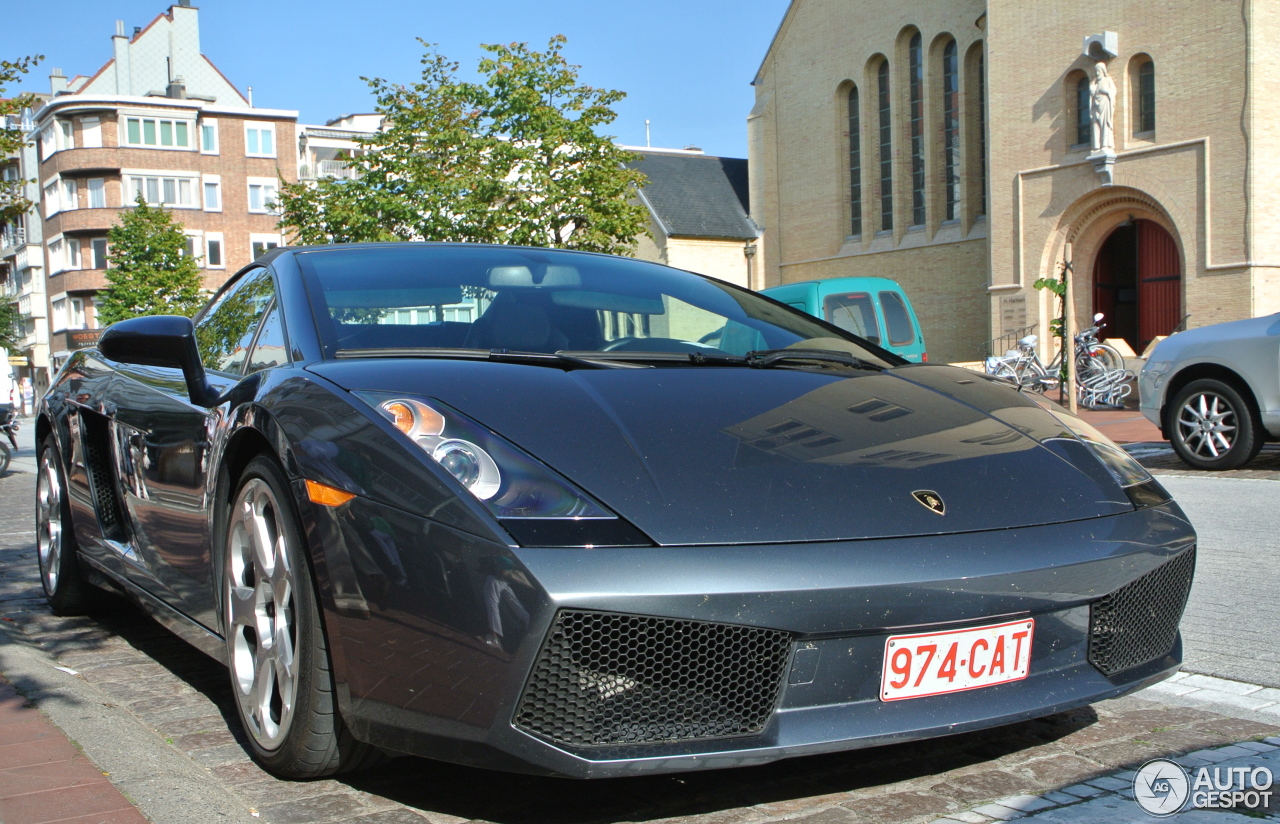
(11, 328)
(150, 272)
(515, 158)
(12, 202)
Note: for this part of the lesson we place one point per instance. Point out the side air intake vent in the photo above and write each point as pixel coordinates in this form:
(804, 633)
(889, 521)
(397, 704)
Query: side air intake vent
(603, 678)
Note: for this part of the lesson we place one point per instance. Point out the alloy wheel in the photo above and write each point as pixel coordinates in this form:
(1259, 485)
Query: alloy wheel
(261, 616)
(1207, 425)
(49, 521)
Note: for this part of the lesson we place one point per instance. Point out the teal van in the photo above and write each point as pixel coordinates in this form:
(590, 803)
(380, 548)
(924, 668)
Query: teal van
(873, 308)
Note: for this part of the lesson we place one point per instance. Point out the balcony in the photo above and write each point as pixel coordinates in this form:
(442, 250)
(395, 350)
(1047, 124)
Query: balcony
(33, 306)
(340, 169)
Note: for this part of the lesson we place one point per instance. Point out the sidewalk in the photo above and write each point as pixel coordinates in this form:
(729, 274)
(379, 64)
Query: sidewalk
(44, 778)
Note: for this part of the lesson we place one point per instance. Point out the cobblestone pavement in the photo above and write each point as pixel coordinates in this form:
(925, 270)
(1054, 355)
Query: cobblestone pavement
(182, 698)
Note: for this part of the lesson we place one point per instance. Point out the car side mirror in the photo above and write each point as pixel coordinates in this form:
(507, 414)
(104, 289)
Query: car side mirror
(161, 340)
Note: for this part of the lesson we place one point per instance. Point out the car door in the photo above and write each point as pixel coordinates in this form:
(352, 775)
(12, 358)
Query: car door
(161, 443)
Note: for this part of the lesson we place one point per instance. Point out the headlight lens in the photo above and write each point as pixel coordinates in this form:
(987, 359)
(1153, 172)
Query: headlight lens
(511, 483)
(1122, 466)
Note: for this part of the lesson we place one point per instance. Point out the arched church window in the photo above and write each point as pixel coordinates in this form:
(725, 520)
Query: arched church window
(915, 70)
(951, 130)
(855, 164)
(1083, 118)
(886, 149)
(1146, 119)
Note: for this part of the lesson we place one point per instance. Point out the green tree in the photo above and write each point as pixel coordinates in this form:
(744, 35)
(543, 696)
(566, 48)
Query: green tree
(516, 158)
(150, 272)
(12, 202)
(11, 328)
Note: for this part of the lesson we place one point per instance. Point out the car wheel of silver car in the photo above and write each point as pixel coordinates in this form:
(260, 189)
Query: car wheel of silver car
(276, 648)
(1212, 426)
(66, 590)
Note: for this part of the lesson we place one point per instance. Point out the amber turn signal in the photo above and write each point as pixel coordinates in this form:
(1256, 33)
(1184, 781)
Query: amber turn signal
(327, 495)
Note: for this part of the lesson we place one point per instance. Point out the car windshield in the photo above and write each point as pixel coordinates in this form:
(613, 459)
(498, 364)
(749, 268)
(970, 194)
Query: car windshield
(419, 297)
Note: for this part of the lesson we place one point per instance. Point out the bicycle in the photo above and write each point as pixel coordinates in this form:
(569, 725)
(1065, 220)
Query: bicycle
(1101, 377)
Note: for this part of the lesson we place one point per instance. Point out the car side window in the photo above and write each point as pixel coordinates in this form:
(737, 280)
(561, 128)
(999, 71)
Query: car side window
(896, 319)
(225, 332)
(270, 349)
(853, 313)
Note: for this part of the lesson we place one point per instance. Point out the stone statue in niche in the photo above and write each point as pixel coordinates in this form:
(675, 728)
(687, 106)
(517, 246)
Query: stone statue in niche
(1102, 110)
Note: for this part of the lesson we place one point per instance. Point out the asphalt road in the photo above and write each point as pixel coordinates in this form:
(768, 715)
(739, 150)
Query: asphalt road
(1231, 620)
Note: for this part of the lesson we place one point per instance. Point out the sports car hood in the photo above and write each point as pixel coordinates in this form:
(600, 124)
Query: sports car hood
(715, 455)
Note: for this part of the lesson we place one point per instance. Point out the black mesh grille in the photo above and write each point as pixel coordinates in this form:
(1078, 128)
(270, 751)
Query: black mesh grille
(97, 460)
(605, 678)
(1139, 622)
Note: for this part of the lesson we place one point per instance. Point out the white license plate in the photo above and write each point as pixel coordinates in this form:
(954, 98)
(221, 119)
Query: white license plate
(934, 663)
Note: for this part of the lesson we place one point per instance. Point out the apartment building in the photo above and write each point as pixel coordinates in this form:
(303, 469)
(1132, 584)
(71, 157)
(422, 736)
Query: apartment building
(22, 264)
(158, 121)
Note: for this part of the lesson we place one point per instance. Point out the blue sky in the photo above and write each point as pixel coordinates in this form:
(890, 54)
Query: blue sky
(686, 66)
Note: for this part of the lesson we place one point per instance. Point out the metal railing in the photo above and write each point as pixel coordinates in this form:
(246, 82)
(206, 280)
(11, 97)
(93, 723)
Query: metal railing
(998, 346)
(13, 236)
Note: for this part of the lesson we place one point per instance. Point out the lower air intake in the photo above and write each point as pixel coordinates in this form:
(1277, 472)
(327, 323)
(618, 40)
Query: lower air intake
(603, 678)
(1139, 622)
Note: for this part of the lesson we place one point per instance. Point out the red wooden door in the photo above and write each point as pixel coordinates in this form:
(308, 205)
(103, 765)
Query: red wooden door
(1104, 284)
(1159, 282)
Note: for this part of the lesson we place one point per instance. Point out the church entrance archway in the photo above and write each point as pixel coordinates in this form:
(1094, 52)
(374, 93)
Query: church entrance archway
(1137, 282)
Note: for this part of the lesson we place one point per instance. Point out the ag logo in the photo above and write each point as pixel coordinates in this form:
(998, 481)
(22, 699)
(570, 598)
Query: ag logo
(1161, 787)
(930, 500)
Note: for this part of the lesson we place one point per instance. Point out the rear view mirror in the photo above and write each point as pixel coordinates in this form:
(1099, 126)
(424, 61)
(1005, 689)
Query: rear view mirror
(161, 340)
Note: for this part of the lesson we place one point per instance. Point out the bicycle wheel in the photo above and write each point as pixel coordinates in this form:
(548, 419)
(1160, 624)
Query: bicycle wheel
(1107, 355)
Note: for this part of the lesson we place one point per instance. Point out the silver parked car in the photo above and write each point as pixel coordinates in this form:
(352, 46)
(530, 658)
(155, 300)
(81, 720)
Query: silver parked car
(1215, 391)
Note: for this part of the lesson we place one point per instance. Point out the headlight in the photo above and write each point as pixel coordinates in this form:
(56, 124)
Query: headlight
(537, 506)
(1142, 489)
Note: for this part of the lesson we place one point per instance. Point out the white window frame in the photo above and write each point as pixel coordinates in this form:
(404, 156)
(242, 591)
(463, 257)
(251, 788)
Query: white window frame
(91, 133)
(129, 176)
(58, 304)
(106, 254)
(77, 307)
(216, 182)
(256, 237)
(215, 237)
(66, 134)
(190, 122)
(52, 198)
(98, 186)
(70, 195)
(266, 183)
(55, 255)
(48, 145)
(212, 123)
(258, 125)
(195, 241)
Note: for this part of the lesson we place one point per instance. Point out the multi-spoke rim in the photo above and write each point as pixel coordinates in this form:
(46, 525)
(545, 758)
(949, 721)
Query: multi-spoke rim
(261, 618)
(1207, 425)
(49, 521)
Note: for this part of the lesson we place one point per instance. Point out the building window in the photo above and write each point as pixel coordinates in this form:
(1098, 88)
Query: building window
(209, 136)
(260, 140)
(73, 253)
(982, 134)
(70, 198)
(97, 193)
(855, 165)
(886, 150)
(51, 199)
(213, 251)
(259, 245)
(47, 144)
(91, 133)
(262, 195)
(1146, 120)
(150, 131)
(1084, 119)
(68, 137)
(59, 314)
(951, 130)
(915, 68)
(212, 194)
(164, 191)
(76, 321)
(99, 247)
(55, 257)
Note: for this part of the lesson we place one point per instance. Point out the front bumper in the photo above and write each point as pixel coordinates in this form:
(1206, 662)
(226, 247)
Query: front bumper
(433, 652)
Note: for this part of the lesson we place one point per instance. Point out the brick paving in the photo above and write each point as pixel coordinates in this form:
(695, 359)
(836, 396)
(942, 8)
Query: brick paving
(183, 699)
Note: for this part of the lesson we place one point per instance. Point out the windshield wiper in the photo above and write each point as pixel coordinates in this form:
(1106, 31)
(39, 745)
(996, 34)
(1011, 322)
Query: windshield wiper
(767, 358)
(559, 360)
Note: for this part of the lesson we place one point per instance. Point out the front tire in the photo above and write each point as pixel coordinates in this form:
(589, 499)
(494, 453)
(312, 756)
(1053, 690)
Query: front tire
(276, 646)
(1212, 426)
(64, 585)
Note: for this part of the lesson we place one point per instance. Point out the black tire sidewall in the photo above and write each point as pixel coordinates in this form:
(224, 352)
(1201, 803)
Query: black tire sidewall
(1243, 448)
(313, 710)
(70, 597)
